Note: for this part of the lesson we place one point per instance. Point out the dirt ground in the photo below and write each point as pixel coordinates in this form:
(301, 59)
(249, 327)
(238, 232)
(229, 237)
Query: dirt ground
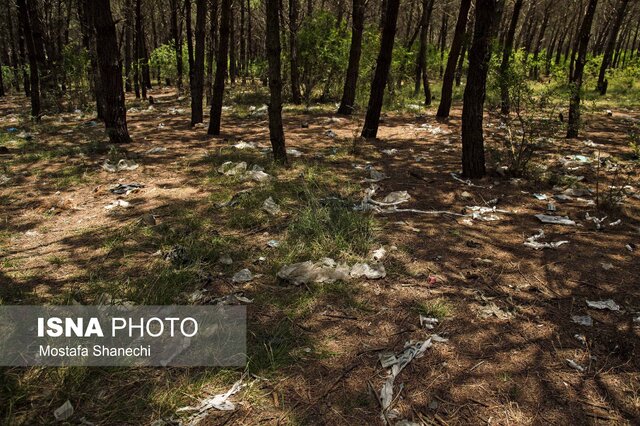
(505, 308)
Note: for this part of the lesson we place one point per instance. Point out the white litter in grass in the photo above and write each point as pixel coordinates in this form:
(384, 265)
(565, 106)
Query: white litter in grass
(396, 197)
(540, 196)
(122, 165)
(155, 150)
(294, 152)
(118, 203)
(231, 299)
(606, 266)
(485, 213)
(603, 304)
(244, 145)
(379, 254)
(330, 133)
(242, 276)
(439, 339)
(326, 270)
(273, 243)
(225, 259)
(391, 151)
(64, 411)
(595, 220)
(219, 402)
(374, 175)
(257, 175)
(555, 220)
(230, 168)
(581, 338)
(575, 365)
(428, 322)
(270, 206)
(585, 320)
(533, 242)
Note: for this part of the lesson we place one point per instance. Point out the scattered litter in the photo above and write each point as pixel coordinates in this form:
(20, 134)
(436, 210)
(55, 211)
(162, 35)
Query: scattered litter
(575, 365)
(64, 411)
(257, 175)
(273, 243)
(585, 320)
(606, 266)
(294, 152)
(126, 188)
(225, 259)
(330, 133)
(616, 222)
(555, 220)
(428, 322)
(232, 299)
(118, 203)
(374, 175)
(396, 197)
(177, 255)
(156, 150)
(493, 310)
(242, 276)
(533, 242)
(379, 254)
(219, 402)
(581, 338)
(434, 130)
(562, 198)
(391, 151)
(630, 247)
(244, 145)
(551, 207)
(439, 339)
(326, 270)
(541, 196)
(229, 168)
(595, 220)
(120, 166)
(271, 206)
(484, 213)
(466, 195)
(603, 304)
(466, 182)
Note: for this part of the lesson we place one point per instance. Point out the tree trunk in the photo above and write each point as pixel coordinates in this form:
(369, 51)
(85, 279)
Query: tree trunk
(535, 72)
(177, 43)
(355, 51)
(473, 163)
(34, 78)
(452, 61)
(243, 44)
(421, 62)
(213, 47)
(187, 19)
(128, 48)
(12, 43)
(276, 131)
(115, 119)
(443, 39)
(233, 72)
(611, 43)
(221, 70)
(47, 84)
(139, 80)
(296, 97)
(506, 58)
(463, 54)
(576, 78)
(197, 82)
(383, 64)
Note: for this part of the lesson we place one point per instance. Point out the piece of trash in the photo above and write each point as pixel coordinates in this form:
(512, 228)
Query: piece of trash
(118, 203)
(379, 254)
(483, 213)
(551, 207)
(273, 243)
(493, 310)
(326, 270)
(244, 145)
(330, 133)
(396, 197)
(126, 189)
(540, 196)
(428, 322)
(595, 220)
(64, 411)
(271, 206)
(387, 359)
(585, 320)
(606, 266)
(156, 150)
(232, 299)
(242, 276)
(603, 304)
(177, 255)
(439, 339)
(294, 152)
(230, 168)
(225, 259)
(368, 271)
(466, 195)
(575, 365)
(219, 402)
(123, 164)
(535, 244)
(630, 247)
(562, 198)
(555, 220)
(257, 175)
(391, 151)
(581, 338)
(374, 175)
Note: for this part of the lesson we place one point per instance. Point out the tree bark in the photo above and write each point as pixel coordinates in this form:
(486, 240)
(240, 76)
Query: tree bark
(355, 51)
(34, 77)
(189, 31)
(197, 82)
(383, 64)
(611, 43)
(473, 162)
(177, 43)
(115, 119)
(576, 78)
(233, 71)
(296, 97)
(443, 39)
(505, 107)
(221, 69)
(139, 80)
(421, 62)
(276, 131)
(449, 74)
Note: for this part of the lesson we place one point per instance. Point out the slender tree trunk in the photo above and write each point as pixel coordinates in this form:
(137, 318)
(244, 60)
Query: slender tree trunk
(197, 82)
(243, 44)
(221, 69)
(24, 61)
(449, 74)
(611, 44)
(47, 83)
(12, 43)
(187, 18)
(34, 78)
(233, 71)
(213, 47)
(276, 131)
(473, 162)
(535, 72)
(296, 97)
(128, 48)
(383, 64)
(576, 78)
(115, 119)
(177, 43)
(463, 54)
(421, 62)
(444, 28)
(351, 80)
(139, 53)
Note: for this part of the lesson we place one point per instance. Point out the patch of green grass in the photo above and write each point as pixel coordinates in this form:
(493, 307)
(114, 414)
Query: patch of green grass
(55, 260)
(436, 308)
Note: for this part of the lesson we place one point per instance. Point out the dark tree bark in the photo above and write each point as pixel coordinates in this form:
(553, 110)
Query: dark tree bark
(15, 64)
(296, 97)
(463, 54)
(89, 42)
(383, 64)
(421, 62)
(177, 42)
(24, 61)
(506, 58)
(611, 43)
(473, 162)
(243, 44)
(452, 61)
(115, 119)
(128, 49)
(47, 82)
(221, 69)
(576, 78)
(543, 29)
(355, 51)
(187, 20)
(213, 47)
(34, 77)
(276, 131)
(233, 70)
(197, 82)
(443, 39)
(139, 80)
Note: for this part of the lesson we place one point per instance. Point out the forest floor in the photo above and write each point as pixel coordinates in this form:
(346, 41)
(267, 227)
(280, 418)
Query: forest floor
(314, 350)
